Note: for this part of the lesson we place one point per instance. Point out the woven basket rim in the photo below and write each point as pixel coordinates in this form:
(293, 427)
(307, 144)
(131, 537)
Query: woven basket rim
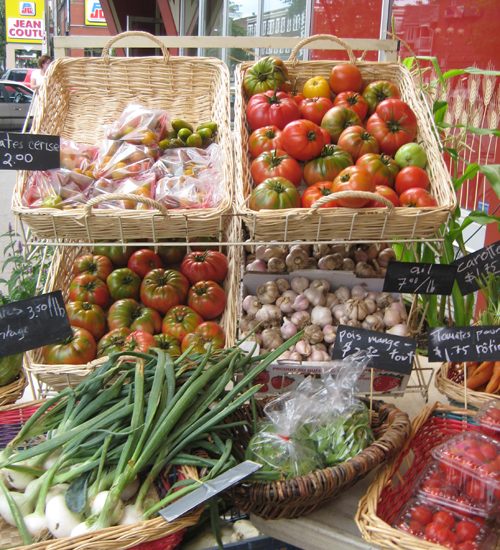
(10, 393)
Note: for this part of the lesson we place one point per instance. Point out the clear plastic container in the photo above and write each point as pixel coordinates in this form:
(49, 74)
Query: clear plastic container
(440, 525)
(449, 487)
(489, 419)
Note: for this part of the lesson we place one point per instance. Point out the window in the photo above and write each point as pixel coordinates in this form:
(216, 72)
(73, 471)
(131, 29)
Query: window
(271, 26)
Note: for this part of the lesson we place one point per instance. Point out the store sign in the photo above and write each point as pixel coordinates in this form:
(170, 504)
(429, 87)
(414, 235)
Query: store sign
(419, 278)
(94, 14)
(25, 21)
(473, 267)
(29, 151)
(481, 343)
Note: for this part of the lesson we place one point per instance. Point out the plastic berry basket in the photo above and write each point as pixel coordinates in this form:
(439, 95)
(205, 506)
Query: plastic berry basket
(489, 419)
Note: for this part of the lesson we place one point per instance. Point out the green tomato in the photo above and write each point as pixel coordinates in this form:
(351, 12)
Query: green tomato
(194, 140)
(411, 154)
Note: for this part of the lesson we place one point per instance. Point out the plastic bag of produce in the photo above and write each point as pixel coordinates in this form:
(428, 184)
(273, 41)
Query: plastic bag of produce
(118, 160)
(77, 156)
(140, 126)
(142, 184)
(189, 177)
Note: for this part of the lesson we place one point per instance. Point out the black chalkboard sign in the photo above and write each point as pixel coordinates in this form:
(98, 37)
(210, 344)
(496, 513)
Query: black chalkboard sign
(419, 278)
(386, 351)
(29, 151)
(31, 323)
(480, 263)
(481, 343)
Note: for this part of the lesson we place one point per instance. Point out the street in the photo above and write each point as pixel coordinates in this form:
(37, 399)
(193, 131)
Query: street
(7, 181)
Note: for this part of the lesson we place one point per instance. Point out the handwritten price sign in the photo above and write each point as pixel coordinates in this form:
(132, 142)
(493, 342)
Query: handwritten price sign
(473, 266)
(29, 151)
(419, 278)
(480, 343)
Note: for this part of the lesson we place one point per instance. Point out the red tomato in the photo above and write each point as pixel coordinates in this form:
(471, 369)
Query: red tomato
(466, 530)
(354, 101)
(437, 532)
(475, 489)
(489, 451)
(346, 77)
(411, 177)
(382, 168)
(139, 341)
(207, 298)
(179, 321)
(357, 142)
(314, 108)
(298, 97)
(445, 518)
(127, 313)
(162, 289)
(393, 124)
(315, 192)
(264, 139)
(89, 288)
(466, 545)
(415, 528)
(143, 261)
(302, 139)
(93, 264)
(207, 335)
(353, 178)
(271, 108)
(276, 163)
(387, 193)
(417, 197)
(422, 514)
(78, 349)
(326, 136)
(337, 119)
(206, 265)
(91, 317)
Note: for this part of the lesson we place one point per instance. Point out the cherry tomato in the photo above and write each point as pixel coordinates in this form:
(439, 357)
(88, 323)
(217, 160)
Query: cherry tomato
(415, 528)
(437, 532)
(466, 530)
(346, 77)
(422, 514)
(444, 517)
(410, 177)
(489, 451)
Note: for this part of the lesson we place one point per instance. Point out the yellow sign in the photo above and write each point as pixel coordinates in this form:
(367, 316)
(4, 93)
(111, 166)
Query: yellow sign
(25, 21)
(94, 14)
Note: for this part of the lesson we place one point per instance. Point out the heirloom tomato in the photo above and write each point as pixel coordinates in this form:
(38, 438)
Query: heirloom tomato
(274, 194)
(382, 168)
(317, 86)
(417, 197)
(377, 91)
(411, 154)
(91, 317)
(271, 108)
(171, 255)
(314, 108)
(162, 289)
(131, 314)
(112, 342)
(345, 77)
(207, 298)
(327, 166)
(143, 261)
(269, 73)
(179, 321)
(205, 265)
(393, 124)
(410, 177)
(302, 139)
(123, 283)
(208, 335)
(357, 142)
(386, 192)
(337, 119)
(119, 255)
(78, 349)
(89, 288)
(264, 139)
(169, 344)
(298, 97)
(354, 101)
(315, 192)
(327, 138)
(138, 340)
(276, 163)
(100, 266)
(353, 178)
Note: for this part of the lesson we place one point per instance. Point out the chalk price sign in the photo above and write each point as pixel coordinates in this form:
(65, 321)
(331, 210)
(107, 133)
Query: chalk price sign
(29, 151)
(419, 278)
(481, 343)
(29, 324)
(480, 263)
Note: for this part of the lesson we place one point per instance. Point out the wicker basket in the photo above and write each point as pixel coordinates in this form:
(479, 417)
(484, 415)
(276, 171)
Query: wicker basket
(81, 95)
(301, 495)
(382, 224)
(459, 392)
(13, 391)
(59, 278)
(134, 536)
(393, 486)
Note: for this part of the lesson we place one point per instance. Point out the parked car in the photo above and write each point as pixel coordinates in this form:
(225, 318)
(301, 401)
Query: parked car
(18, 75)
(15, 99)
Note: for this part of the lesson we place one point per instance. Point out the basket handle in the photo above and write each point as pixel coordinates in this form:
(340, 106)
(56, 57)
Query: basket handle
(117, 37)
(293, 54)
(124, 197)
(351, 195)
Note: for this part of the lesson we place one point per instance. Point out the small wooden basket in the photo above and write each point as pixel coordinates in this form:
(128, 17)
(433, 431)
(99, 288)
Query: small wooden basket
(82, 95)
(379, 508)
(368, 224)
(459, 392)
(301, 495)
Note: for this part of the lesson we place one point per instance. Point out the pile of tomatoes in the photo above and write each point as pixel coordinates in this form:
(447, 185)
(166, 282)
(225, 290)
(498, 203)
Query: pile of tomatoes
(133, 300)
(336, 135)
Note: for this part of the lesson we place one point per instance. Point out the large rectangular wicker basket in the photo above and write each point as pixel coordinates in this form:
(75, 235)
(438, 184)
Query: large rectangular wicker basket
(82, 95)
(344, 223)
(59, 278)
